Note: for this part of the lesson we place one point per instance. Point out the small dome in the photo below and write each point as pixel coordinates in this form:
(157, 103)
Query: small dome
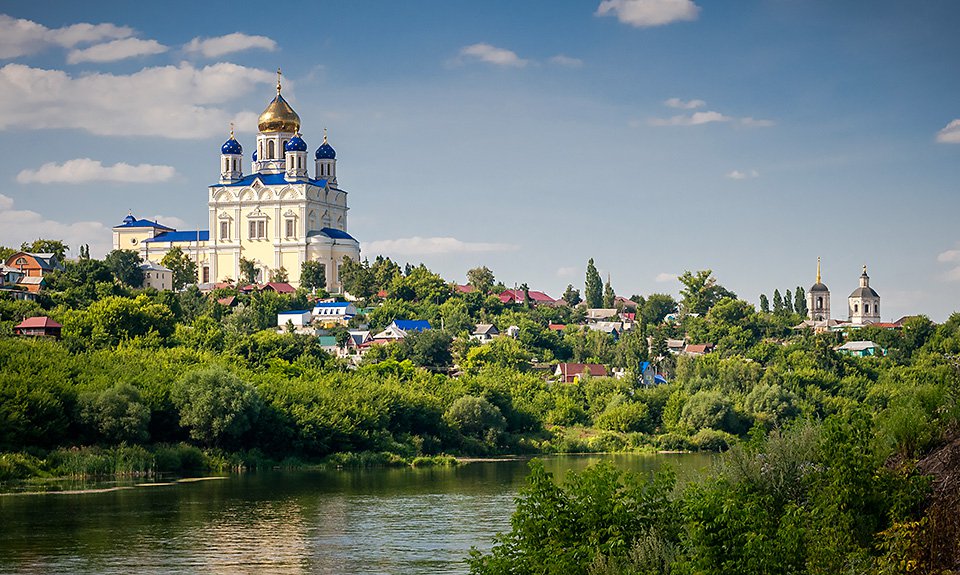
(862, 292)
(254, 155)
(231, 146)
(818, 287)
(129, 219)
(295, 144)
(326, 151)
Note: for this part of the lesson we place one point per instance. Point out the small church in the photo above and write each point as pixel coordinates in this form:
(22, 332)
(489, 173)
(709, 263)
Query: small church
(276, 216)
(863, 305)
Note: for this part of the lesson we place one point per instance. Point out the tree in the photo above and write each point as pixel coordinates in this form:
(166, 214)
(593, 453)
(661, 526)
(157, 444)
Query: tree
(701, 291)
(474, 417)
(216, 405)
(42, 246)
(481, 279)
(609, 296)
(571, 296)
(788, 302)
(356, 278)
(764, 303)
(279, 275)
(184, 269)
(777, 302)
(384, 270)
(248, 271)
(313, 275)
(800, 301)
(593, 286)
(6, 252)
(657, 307)
(117, 414)
(456, 317)
(125, 266)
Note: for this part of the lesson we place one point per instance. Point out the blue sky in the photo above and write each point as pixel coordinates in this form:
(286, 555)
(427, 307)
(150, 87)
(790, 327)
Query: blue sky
(655, 136)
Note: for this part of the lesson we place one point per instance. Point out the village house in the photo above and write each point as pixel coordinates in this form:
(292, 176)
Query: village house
(697, 349)
(156, 276)
(41, 326)
(595, 314)
(516, 296)
(860, 349)
(484, 332)
(573, 372)
(298, 318)
(31, 268)
(331, 313)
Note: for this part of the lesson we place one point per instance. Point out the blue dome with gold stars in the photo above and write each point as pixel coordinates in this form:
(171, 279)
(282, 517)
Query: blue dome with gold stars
(231, 146)
(295, 144)
(326, 151)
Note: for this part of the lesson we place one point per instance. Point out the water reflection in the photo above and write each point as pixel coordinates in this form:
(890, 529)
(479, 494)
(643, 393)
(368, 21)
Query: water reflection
(365, 521)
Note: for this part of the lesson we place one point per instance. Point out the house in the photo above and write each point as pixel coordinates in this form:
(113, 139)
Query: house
(572, 372)
(31, 268)
(484, 332)
(9, 275)
(558, 327)
(278, 287)
(390, 333)
(41, 326)
(675, 345)
(516, 296)
(513, 331)
(463, 288)
(156, 276)
(328, 343)
(623, 303)
(614, 328)
(298, 317)
(697, 349)
(331, 313)
(229, 301)
(410, 325)
(861, 349)
(600, 314)
(647, 376)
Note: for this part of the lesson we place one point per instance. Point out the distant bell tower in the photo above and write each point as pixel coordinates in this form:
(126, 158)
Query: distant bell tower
(864, 302)
(326, 161)
(818, 300)
(231, 156)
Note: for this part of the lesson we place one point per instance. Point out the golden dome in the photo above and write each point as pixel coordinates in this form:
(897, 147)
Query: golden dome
(279, 116)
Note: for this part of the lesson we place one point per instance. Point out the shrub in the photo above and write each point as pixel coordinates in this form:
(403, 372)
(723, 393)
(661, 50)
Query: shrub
(475, 417)
(712, 440)
(625, 417)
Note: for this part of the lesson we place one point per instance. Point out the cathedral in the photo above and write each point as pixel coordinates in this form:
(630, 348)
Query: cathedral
(863, 305)
(276, 216)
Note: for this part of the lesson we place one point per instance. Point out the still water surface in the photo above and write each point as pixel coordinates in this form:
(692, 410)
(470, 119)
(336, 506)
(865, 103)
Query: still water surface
(410, 521)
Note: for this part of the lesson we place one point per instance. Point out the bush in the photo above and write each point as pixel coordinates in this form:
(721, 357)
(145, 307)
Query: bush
(19, 466)
(625, 417)
(216, 405)
(673, 442)
(475, 417)
(712, 440)
(116, 414)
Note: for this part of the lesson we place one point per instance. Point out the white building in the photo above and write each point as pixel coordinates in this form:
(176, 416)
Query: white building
(156, 276)
(864, 302)
(818, 300)
(334, 312)
(298, 317)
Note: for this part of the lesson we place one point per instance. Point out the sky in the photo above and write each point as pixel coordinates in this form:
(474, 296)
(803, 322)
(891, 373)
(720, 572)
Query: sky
(655, 136)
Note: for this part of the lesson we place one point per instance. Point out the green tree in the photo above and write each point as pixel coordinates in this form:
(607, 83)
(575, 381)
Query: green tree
(384, 270)
(571, 296)
(788, 302)
(248, 271)
(279, 275)
(456, 317)
(656, 308)
(184, 269)
(777, 302)
(313, 275)
(117, 414)
(216, 405)
(800, 301)
(481, 279)
(764, 303)
(701, 291)
(125, 266)
(593, 286)
(6, 252)
(475, 417)
(356, 278)
(609, 296)
(42, 246)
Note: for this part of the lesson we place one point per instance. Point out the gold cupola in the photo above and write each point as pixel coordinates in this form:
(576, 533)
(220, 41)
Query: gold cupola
(279, 116)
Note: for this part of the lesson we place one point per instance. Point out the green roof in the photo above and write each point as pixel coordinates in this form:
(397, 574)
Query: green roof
(327, 340)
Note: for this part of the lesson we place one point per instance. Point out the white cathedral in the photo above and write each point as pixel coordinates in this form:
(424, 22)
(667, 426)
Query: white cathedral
(277, 216)
(863, 305)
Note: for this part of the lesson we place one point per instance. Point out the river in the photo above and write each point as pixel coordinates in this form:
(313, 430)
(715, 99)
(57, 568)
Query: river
(408, 521)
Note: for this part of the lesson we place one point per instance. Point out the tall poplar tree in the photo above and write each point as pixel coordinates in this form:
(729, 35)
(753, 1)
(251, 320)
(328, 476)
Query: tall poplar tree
(764, 303)
(788, 302)
(593, 287)
(777, 302)
(800, 301)
(609, 296)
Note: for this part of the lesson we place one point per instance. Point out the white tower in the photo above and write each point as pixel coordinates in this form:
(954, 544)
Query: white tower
(864, 302)
(818, 300)
(296, 159)
(231, 157)
(326, 161)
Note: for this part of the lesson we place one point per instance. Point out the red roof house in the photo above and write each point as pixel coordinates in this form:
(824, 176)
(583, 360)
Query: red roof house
(572, 372)
(536, 297)
(41, 326)
(279, 287)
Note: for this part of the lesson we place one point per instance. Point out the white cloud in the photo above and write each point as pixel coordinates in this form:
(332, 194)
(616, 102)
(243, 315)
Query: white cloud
(566, 61)
(222, 45)
(18, 226)
(664, 277)
(417, 245)
(172, 221)
(19, 37)
(695, 119)
(755, 123)
(116, 50)
(493, 55)
(84, 170)
(168, 101)
(648, 13)
(566, 272)
(949, 256)
(738, 175)
(684, 105)
(950, 134)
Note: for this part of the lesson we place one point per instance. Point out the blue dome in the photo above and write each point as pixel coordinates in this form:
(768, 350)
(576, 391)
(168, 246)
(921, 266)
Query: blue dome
(254, 155)
(326, 152)
(129, 219)
(295, 144)
(231, 146)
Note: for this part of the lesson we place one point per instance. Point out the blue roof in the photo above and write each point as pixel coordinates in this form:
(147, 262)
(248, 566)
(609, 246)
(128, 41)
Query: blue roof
(254, 156)
(333, 233)
(326, 152)
(412, 324)
(332, 304)
(295, 144)
(294, 312)
(132, 222)
(231, 146)
(644, 365)
(268, 179)
(185, 236)
(659, 379)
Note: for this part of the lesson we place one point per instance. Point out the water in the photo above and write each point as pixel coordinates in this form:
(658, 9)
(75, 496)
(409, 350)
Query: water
(408, 521)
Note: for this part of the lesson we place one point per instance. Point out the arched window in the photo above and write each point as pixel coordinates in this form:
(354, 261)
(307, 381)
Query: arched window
(866, 308)
(270, 149)
(856, 308)
(820, 302)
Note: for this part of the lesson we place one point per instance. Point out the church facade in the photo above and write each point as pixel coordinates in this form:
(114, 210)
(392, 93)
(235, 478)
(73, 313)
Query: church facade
(277, 216)
(863, 304)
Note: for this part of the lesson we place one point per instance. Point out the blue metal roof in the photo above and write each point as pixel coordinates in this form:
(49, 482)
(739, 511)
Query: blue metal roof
(412, 324)
(336, 234)
(185, 236)
(269, 180)
(294, 312)
(333, 304)
(135, 223)
(231, 146)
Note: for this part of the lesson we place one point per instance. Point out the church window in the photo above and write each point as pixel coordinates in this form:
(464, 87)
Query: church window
(206, 274)
(226, 164)
(258, 229)
(819, 303)
(224, 230)
(291, 227)
(866, 308)
(856, 308)
(299, 162)
(270, 149)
